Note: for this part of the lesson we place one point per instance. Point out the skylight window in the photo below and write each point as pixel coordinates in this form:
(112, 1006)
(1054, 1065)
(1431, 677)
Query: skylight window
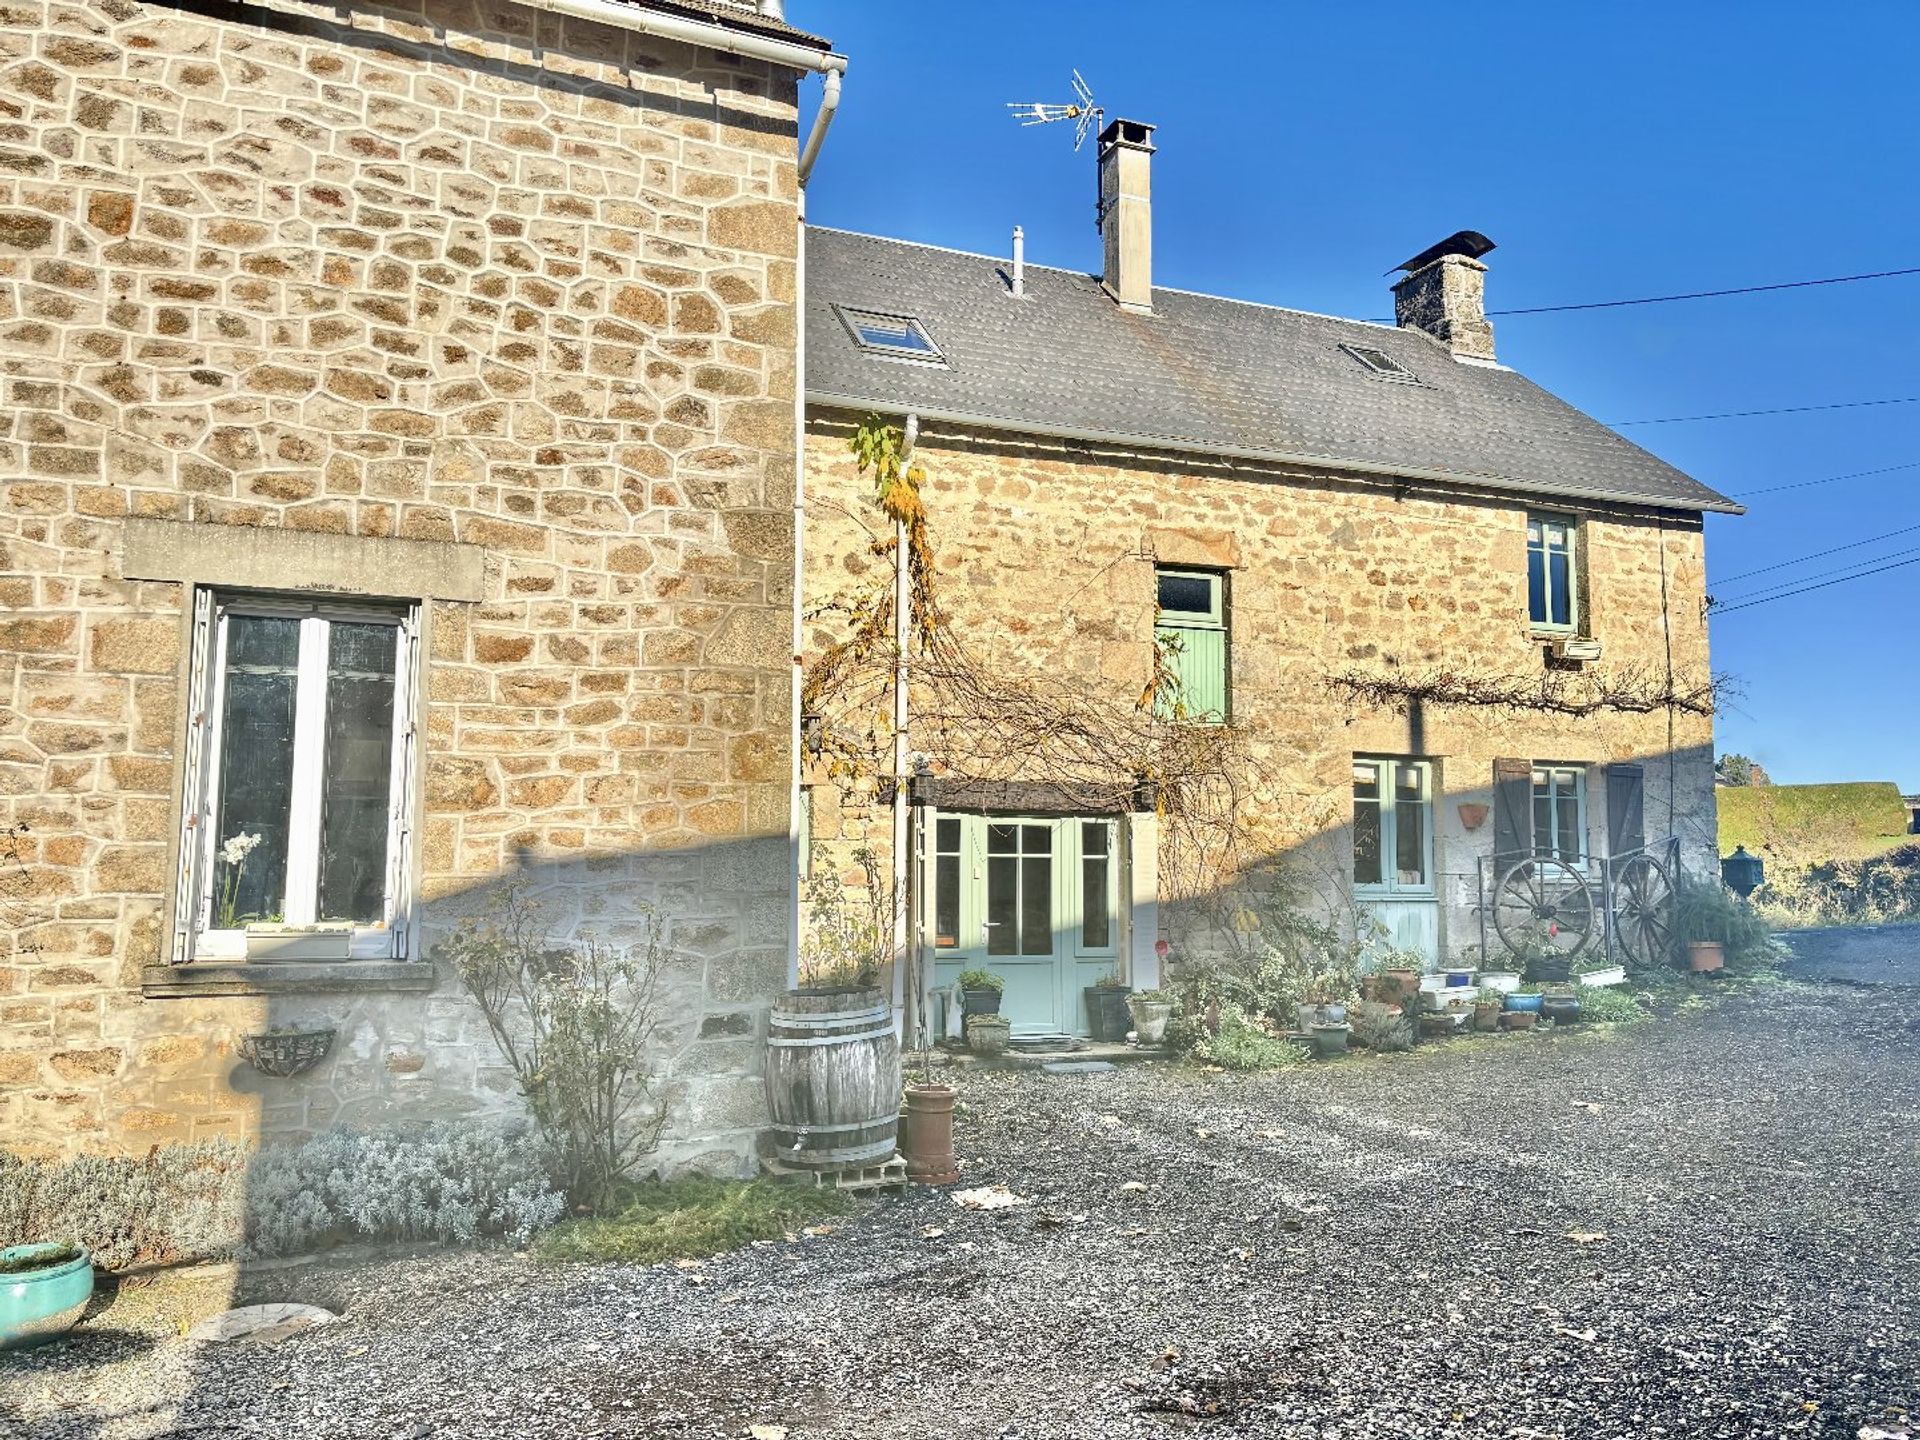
(1378, 362)
(900, 336)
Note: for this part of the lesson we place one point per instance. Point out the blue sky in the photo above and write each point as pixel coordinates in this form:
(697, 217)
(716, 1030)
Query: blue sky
(1611, 151)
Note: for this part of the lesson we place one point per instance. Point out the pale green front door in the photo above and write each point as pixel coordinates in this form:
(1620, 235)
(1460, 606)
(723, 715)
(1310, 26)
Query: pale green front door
(1033, 899)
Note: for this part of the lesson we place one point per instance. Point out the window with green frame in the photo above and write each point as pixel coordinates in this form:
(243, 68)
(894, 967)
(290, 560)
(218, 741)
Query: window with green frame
(1190, 634)
(1553, 599)
(1393, 826)
(1560, 812)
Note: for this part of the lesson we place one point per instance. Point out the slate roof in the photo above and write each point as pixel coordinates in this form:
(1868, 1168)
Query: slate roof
(1204, 374)
(734, 16)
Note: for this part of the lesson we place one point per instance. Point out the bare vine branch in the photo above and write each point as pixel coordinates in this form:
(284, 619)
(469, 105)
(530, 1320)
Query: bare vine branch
(1629, 690)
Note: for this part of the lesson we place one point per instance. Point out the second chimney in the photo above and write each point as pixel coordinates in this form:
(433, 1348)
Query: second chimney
(1126, 213)
(1444, 293)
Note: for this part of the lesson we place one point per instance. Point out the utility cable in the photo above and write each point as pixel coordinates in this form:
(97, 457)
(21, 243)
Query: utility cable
(1842, 571)
(1784, 410)
(1808, 484)
(1710, 294)
(1789, 594)
(1817, 554)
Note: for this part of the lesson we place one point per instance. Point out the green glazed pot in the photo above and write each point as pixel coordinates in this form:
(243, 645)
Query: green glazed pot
(41, 1305)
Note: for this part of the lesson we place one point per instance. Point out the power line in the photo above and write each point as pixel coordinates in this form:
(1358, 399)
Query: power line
(1709, 294)
(1785, 410)
(1841, 571)
(1805, 484)
(1817, 554)
(1788, 595)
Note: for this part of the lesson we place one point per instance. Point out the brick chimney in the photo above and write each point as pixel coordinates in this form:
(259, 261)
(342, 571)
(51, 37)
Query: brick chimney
(1126, 213)
(1444, 293)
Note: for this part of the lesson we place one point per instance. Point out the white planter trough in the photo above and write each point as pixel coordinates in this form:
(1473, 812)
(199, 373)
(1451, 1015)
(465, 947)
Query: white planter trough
(1453, 999)
(1500, 982)
(1610, 975)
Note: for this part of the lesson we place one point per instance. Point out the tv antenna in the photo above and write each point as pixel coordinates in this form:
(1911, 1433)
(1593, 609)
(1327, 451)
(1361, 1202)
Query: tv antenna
(1083, 112)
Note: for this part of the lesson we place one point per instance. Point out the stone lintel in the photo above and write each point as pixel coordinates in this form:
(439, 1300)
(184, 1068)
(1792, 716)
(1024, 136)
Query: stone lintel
(257, 557)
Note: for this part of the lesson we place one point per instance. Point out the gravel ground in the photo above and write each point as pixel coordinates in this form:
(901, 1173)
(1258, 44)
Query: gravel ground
(1698, 1225)
(1856, 954)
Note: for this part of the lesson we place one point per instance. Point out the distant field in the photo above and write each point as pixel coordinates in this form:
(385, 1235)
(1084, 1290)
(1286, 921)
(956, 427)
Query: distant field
(1806, 824)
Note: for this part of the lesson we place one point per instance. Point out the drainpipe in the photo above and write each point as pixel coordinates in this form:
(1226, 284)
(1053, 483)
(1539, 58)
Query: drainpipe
(902, 638)
(796, 862)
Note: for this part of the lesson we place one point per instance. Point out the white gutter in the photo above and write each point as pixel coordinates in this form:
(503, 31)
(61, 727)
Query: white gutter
(1162, 444)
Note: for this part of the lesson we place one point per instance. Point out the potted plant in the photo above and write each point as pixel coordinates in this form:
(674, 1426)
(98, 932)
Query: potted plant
(1559, 1004)
(988, 1034)
(44, 1290)
(980, 992)
(1107, 1016)
(1329, 1039)
(1719, 929)
(1486, 1012)
(1520, 1019)
(1500, 982)
(1151, 1010)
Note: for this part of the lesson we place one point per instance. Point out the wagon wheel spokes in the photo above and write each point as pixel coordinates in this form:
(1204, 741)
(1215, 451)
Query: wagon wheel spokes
(1643, 910)
(1543, 899)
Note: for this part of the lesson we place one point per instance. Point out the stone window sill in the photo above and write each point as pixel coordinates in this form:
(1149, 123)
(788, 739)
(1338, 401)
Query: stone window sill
(285, 978)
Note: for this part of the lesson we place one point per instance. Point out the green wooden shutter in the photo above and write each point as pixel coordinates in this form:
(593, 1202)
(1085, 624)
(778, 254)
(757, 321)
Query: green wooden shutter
(1199, 663)
(1512, 809)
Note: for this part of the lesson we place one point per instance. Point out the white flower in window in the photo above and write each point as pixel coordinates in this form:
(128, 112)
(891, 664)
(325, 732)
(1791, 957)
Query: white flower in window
(237, 847)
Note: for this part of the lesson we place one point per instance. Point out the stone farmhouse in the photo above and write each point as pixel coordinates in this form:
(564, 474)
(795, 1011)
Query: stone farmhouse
(408, 411)
(395, 497)
(1356, 535)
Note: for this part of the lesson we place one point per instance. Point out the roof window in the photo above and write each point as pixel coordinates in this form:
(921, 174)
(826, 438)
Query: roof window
(1378, 362)
(900, 337)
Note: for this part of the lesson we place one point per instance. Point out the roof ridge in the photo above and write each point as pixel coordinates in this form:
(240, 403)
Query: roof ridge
(1375, 325)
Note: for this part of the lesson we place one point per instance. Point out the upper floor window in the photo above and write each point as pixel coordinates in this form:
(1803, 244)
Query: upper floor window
(1552, 582)
(298, 781)
(1560, 812)
(1393, 825)
(1190, 639)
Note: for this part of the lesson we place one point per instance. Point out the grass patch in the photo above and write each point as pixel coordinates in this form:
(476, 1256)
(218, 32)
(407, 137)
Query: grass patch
(1808, 824)
(690, 1219)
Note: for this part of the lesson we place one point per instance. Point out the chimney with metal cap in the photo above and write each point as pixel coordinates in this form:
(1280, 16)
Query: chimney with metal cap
(1126, 213)
(1444, 293)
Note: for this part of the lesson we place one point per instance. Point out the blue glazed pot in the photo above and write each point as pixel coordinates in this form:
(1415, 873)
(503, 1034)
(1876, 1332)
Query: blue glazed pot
(41, 1305)
(1525, 1002)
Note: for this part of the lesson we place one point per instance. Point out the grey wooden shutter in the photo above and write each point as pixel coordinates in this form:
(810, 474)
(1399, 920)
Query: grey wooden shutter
(1512, 808)
(1626, 808)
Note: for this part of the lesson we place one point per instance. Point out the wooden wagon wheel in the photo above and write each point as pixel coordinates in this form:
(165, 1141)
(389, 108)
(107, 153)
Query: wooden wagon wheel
(1543, 899)
(1643, 911)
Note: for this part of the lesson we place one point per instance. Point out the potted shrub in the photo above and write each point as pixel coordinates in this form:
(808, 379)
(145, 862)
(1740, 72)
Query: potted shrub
(1486, 1012)
(1107, 1015)
(1719, 929)
(44, 1290)
(980, 992)
(1151, 1010)
(988, 1034)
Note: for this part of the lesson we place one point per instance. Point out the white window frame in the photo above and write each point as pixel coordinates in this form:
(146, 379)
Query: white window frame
(1560, 780)
(1571, 524)
(393, 937)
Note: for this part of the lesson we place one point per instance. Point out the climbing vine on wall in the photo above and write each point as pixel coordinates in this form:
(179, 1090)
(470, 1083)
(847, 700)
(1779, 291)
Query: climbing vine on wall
(1578, 693)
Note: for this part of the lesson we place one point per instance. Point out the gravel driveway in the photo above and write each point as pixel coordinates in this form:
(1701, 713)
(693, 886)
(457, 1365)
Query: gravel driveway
(1698, 1225)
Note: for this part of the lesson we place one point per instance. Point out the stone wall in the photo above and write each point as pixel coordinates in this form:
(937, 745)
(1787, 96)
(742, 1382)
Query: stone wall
(1046, 553)
(442, 272)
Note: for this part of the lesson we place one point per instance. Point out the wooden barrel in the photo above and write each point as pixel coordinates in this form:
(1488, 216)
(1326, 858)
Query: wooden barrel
(833, 1078)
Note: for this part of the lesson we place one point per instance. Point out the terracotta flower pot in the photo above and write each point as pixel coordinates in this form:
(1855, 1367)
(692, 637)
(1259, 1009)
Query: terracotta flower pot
(1520, 1019)
(1705, 956)
(926, 1135)
(1486, 1016)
